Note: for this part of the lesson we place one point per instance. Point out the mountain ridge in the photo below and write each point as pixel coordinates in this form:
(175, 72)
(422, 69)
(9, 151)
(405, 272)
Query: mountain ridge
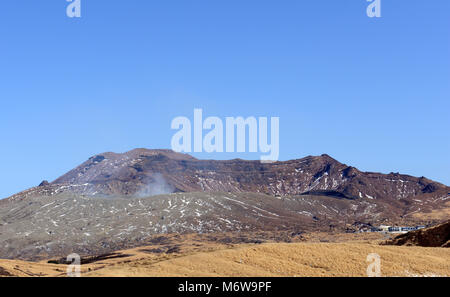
(127, 173)
(116, 201)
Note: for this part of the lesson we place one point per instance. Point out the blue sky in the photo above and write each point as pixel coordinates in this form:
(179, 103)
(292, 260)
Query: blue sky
(372, 93)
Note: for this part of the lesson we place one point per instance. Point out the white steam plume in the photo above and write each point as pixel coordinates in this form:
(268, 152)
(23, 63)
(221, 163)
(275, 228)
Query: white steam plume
(158, 186)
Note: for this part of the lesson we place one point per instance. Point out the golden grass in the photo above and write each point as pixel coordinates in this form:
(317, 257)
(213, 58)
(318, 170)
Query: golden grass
(270, 259)
(294, 259)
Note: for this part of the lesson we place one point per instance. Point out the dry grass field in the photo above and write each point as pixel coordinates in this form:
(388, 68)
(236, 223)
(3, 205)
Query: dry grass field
(311, 258)
(295, 259)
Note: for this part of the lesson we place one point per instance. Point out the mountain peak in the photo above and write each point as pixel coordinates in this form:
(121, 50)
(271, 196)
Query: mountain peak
(127, 174)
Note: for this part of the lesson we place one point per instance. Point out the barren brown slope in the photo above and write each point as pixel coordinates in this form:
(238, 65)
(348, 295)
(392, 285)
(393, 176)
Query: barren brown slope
(164, 171)
(55, 226)
(108, 202)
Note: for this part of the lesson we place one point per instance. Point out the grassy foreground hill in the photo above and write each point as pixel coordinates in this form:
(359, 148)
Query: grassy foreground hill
(207, 258)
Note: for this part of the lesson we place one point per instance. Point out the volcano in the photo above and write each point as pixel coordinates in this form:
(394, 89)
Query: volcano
(116, 201)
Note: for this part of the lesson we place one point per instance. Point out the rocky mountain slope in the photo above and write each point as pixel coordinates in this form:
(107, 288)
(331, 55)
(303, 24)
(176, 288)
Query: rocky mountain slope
(47, 226)
(116, 201)
(144, 172)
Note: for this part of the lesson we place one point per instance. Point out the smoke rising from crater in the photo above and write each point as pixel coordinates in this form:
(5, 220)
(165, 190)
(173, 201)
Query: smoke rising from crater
(158, 186)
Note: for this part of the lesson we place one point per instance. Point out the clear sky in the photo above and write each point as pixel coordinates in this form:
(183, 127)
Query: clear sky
(372, 93)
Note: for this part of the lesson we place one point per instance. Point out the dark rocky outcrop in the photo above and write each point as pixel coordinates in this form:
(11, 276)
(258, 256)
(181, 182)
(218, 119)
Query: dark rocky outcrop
(44, 183)
(436, 236)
